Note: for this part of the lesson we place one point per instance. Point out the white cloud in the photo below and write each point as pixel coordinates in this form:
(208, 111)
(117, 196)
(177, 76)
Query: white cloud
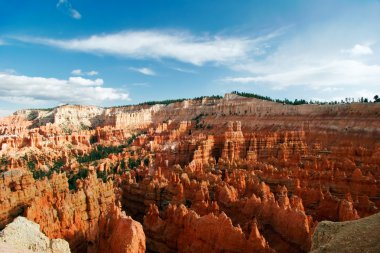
(92, 73)
(85, 82)
(75, 14)
(144, 71)
(74, 90)
(180, 46)
(340, 73)
(190, 71)
(79, 72)
(66, 7)
(2, 42)
(309, 62)
(358, 50)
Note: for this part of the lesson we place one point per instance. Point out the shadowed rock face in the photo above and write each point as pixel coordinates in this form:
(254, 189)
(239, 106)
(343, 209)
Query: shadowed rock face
(264, 173)
(351, 236)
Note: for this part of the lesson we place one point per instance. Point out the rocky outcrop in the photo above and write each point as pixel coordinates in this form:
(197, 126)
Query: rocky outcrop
(23, 235)
(17, 190)
(85, 218)
(351, 236)
(74, 216)
(184, 231)
(120, 234)
(259, 169)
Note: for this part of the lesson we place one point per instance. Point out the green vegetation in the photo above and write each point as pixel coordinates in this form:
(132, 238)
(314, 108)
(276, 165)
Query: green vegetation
(82, 173)
(93, 139)
(133, 164)
(199, 124)
(170, 101)
(67, 130)
(84, 127)
(198, 118)
(163, 102)
(32, 115)
(4, 160)
(376, 99)
(243, 94)
(300, 101)
(101, 152)
(58, 168)
(41, 109)
(39, 174)
(102, 175)
(286, 101)
(146, 161)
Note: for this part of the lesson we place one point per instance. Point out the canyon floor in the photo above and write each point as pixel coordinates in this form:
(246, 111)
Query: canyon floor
(231, 174)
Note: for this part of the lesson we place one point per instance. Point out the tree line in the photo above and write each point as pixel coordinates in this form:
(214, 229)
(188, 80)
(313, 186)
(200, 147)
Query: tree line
(303, 101)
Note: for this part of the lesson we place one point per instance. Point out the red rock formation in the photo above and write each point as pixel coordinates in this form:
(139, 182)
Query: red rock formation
(266, 172)
(75, 216)
(120, 234)
(185, 231)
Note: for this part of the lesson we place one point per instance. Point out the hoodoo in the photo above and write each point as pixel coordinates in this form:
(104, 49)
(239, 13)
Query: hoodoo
(232, 174)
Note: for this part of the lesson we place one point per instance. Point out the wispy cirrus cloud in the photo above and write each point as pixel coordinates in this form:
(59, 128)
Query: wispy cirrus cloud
(21, 89)
(190, 71)
(156, 44)
(66, 7)
(144, 71)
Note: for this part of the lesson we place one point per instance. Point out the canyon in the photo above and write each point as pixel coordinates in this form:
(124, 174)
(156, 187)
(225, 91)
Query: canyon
(231, 174)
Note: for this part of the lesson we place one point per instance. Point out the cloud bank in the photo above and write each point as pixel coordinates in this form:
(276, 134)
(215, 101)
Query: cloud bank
(26, 89)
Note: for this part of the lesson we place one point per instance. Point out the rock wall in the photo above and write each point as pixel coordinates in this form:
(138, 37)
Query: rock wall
(185, 231)
(86, 218)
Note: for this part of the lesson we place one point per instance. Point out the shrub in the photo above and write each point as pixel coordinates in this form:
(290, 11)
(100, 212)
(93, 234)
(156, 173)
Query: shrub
(82, 173)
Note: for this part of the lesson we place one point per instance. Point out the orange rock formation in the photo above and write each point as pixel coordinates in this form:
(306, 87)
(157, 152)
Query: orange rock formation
(233, 174)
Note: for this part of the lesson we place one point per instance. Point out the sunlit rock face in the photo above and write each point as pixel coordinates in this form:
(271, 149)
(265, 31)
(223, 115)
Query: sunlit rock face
(233, 174)
(23, 235)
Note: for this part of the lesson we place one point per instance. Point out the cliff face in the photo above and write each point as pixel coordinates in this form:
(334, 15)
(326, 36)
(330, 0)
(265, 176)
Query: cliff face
(193, 173)
(86, 218)
(259, 114)
(184, 231)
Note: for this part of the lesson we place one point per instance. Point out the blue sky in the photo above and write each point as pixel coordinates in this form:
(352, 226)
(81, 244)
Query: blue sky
(126, 52)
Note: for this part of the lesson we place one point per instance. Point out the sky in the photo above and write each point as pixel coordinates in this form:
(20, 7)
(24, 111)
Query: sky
(106, 53)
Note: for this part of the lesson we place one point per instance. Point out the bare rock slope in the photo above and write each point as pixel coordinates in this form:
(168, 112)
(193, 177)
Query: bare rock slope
(361, 235)
(23, 235)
